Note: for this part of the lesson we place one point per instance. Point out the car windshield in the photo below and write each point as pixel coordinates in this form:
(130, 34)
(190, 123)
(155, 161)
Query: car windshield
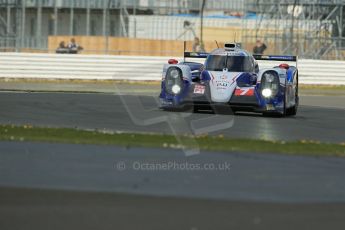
(232, 63)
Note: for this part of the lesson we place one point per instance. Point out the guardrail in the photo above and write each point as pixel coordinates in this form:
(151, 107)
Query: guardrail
(105, 67)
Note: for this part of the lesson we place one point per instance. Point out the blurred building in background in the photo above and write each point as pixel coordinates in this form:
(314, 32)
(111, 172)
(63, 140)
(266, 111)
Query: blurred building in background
(309, 28)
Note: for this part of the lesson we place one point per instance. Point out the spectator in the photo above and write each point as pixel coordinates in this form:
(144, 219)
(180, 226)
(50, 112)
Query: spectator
(62, 45)
(259, 48)
(62, 49)
(74, 47)
(202, 47)
(196, 45)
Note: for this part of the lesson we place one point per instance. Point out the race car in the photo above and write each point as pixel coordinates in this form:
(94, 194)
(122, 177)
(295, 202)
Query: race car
(231, 76)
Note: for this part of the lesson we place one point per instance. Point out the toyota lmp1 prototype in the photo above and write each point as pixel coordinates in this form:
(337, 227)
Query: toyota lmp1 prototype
(231, 77)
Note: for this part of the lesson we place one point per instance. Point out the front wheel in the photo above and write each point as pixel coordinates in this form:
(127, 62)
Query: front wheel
(292, 111)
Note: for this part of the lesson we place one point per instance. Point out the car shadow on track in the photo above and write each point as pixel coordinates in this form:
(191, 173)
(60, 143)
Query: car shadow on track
(243, 114)
(222, 110)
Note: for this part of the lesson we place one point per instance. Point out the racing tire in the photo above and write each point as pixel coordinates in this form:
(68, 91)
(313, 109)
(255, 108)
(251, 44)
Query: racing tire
(292, 111)
(285, 110)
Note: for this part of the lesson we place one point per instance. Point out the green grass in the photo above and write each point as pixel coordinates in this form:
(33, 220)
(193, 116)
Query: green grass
(322, 90)
(322, 87)
(78, 81)
(218, 143)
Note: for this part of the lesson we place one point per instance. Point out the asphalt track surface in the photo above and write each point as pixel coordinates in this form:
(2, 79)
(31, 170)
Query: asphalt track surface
(140, 114)
(62, 186)
(41, 210)
(55, 186)
(266, 178)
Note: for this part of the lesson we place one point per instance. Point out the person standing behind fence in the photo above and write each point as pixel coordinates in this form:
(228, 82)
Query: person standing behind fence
(198, 46)
(62, 49)
(74, 47)
(259, 48)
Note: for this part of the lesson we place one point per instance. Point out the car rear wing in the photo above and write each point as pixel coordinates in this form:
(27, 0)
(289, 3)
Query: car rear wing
(195, 55)
(192, 54)
(288, 58)
(275, 58)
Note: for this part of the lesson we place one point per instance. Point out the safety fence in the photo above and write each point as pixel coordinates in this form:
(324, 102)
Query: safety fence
(107, 67)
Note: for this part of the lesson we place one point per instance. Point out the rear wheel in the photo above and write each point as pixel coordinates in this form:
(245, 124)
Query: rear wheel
(293, 110)
(284, 110)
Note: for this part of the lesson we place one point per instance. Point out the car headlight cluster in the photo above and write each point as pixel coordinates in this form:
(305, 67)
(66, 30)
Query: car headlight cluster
(269, 84)
(176, 89)
(266, 92)
(173, 80)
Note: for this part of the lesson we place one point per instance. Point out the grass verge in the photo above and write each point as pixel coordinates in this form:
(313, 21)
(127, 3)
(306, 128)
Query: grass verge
(76, 81)
(322, 87)
(210, 143)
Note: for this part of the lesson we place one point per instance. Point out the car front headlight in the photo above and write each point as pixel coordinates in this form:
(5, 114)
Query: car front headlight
(270, 84)
(174, 73)
(267, 92)
(174, 80)
(176, 89)
(269, 77)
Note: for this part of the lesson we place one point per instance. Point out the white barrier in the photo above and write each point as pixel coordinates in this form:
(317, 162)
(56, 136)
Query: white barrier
(102, 67)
